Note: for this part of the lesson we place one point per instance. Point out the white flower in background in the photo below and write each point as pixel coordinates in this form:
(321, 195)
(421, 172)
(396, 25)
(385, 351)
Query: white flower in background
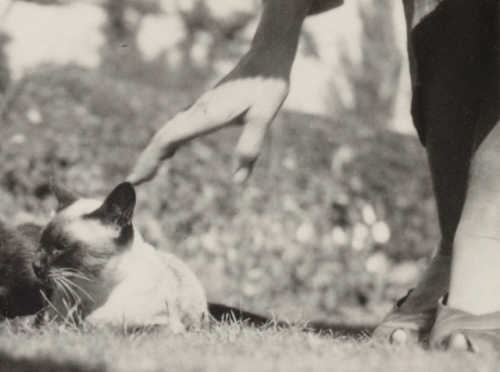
(160, 33)
(34, 116)
(343, 156)
(201, 49)
(255, 274)
(305, 232)
(381, 232)
(288, 162)
(360, 234)
(290, 204)
(249, 289)
(18, 139)
(404, 274)
(377, 263)
(210, 242)
(368, 213)
(339, 237)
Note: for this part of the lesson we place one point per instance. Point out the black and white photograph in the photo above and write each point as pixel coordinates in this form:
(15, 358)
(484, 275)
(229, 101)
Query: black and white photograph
(249, 185)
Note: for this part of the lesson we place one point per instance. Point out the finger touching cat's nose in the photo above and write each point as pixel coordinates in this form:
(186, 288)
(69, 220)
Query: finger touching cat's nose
(145, 168)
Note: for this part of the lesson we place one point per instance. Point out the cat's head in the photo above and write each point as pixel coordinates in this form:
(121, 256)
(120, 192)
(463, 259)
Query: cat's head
(85, 233)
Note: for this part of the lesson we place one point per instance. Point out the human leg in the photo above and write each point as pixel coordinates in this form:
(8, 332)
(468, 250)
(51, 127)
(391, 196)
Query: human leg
(449, 151)
(453, 49)
(471, 318)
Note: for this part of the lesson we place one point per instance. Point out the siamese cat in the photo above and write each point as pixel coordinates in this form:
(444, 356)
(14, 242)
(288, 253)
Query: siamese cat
(91, 264)
(22, 293)
(104, 273)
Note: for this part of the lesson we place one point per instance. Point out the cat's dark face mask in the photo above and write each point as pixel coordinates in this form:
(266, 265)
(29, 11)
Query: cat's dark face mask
(82, 240)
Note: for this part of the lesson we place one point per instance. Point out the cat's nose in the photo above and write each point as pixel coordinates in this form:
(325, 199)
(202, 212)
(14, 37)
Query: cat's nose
(38, 268)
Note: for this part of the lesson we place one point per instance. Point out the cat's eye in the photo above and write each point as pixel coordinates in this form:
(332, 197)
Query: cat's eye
(61, 247)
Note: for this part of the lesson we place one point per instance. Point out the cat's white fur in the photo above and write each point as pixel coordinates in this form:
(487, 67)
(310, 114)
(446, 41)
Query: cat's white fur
(141, 286)
(89, 231)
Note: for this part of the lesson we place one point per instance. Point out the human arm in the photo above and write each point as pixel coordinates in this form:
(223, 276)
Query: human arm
(251, 94)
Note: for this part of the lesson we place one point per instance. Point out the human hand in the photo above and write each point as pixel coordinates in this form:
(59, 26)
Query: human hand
(244, 97)
(250, 95)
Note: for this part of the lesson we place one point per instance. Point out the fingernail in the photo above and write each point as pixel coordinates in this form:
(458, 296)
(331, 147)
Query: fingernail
(398, 337)
(241, 175)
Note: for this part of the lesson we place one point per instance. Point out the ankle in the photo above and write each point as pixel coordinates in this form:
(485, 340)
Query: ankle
(475, 278)
(478, 224)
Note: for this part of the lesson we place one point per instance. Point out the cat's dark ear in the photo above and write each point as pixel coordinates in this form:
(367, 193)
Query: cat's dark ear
(118, 207)
(65, 197)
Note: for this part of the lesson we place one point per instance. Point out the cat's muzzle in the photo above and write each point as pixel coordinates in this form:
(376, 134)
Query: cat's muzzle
(41, 271)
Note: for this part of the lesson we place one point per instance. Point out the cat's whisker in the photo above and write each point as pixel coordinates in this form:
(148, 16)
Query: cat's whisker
(79, 276)
(69, 290)
(71, 302)
(54, 273)
(83, 278)
(49, 279)
(51, 305)
(60, 287)
(68, 271)
(67, 274)
(71, 270)
(69, 282)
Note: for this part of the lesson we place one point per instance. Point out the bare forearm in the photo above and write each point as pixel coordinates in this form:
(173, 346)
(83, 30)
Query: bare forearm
(282, 20)
(275, 41)
(251, 94)
(320, 6)
(280, 25)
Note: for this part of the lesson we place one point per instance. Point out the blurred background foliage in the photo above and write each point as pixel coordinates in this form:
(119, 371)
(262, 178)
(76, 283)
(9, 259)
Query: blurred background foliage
(337, 221)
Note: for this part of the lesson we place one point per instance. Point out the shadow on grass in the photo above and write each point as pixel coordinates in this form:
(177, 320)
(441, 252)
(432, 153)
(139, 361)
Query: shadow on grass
(43, 364)
(223, 313)
(339, 329)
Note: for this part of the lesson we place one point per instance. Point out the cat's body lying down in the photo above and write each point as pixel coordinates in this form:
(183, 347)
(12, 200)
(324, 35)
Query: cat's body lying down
(21, 290)
(105, 258)
(102, 270)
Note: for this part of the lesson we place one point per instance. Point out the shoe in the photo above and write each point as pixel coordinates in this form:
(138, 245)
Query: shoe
(412, 317)
(461, 331)
(404, 325)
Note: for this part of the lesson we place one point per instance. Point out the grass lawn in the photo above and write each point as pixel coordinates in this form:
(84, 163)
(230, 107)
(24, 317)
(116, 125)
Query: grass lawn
(221, 348)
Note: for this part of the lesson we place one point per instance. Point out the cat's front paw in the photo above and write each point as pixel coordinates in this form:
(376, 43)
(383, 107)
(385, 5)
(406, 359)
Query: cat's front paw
(176, 327)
